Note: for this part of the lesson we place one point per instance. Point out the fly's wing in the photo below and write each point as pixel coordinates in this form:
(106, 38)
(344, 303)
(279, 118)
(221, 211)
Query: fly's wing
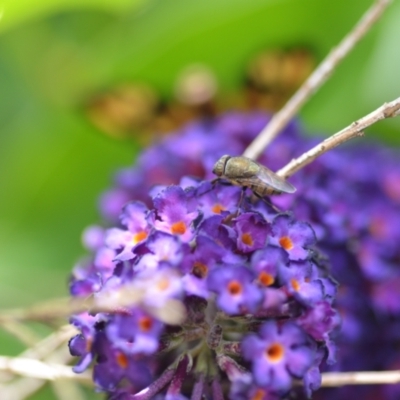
(265, 177)
(270, 178)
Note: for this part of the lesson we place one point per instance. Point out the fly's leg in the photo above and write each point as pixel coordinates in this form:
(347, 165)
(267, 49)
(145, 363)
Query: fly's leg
(275, 208)
(240, 202)
(213, 183)
(234, 215)
(241, 198)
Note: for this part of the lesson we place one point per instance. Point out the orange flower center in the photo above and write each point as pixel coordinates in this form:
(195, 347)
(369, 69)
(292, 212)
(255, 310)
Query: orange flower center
(275, 352)
(286, 242)
(247, 239)
(258, 395)
(138, 237)
(295, 284)
(218, 208)
(234, 287)
(145, 324)
(266, 279)
(199, 270)
(122, 360)
(178, 228)
(163, 284)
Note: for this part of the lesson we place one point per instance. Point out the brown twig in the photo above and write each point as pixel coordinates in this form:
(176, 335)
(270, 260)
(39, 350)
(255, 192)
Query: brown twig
(46, 350)
(388, 110)
(172, 311)
(29, 383)
(39, 369)
(25, 334)
(330, 379)
(315, 80)
(53, 371)
(50, 343)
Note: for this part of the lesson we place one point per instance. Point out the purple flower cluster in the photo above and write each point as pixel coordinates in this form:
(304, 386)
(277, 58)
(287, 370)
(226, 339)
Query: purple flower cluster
(257, 299)
(350, 196)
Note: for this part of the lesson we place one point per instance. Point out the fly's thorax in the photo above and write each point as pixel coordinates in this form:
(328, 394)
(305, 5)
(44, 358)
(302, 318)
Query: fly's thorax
(241, 167)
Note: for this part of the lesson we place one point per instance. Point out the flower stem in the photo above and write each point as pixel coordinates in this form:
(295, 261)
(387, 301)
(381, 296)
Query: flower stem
(388, 110)
(315, 80)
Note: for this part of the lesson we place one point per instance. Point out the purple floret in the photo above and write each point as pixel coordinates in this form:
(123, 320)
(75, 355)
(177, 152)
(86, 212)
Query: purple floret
(235, 289)
(135, 332)
(113, 366)
(294, 237)
(174, 213)
(278, 354)
(252, 232)
(134, 218)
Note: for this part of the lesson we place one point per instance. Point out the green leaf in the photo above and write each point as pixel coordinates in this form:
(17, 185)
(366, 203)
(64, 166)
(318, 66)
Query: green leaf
(14, 12)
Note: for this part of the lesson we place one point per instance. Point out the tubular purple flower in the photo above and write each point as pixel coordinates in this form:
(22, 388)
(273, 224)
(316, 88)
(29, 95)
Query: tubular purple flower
(235, 289)
(134, 333)
(278, 354)
(252, 232)
(292, 236)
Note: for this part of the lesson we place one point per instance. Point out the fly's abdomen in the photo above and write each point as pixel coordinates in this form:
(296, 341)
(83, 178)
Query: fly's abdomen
(264, 190)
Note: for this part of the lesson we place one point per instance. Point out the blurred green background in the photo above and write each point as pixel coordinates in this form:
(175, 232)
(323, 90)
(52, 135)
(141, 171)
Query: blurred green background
(55, 54)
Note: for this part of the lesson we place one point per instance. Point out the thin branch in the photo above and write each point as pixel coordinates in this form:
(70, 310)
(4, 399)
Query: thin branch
(20, 331)
(171, 311)
(39, 369)
(330, 379)
(44, 348)
(388, 110)
(315, 80)
(54, 371)
(50, 343)
(25, 386)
